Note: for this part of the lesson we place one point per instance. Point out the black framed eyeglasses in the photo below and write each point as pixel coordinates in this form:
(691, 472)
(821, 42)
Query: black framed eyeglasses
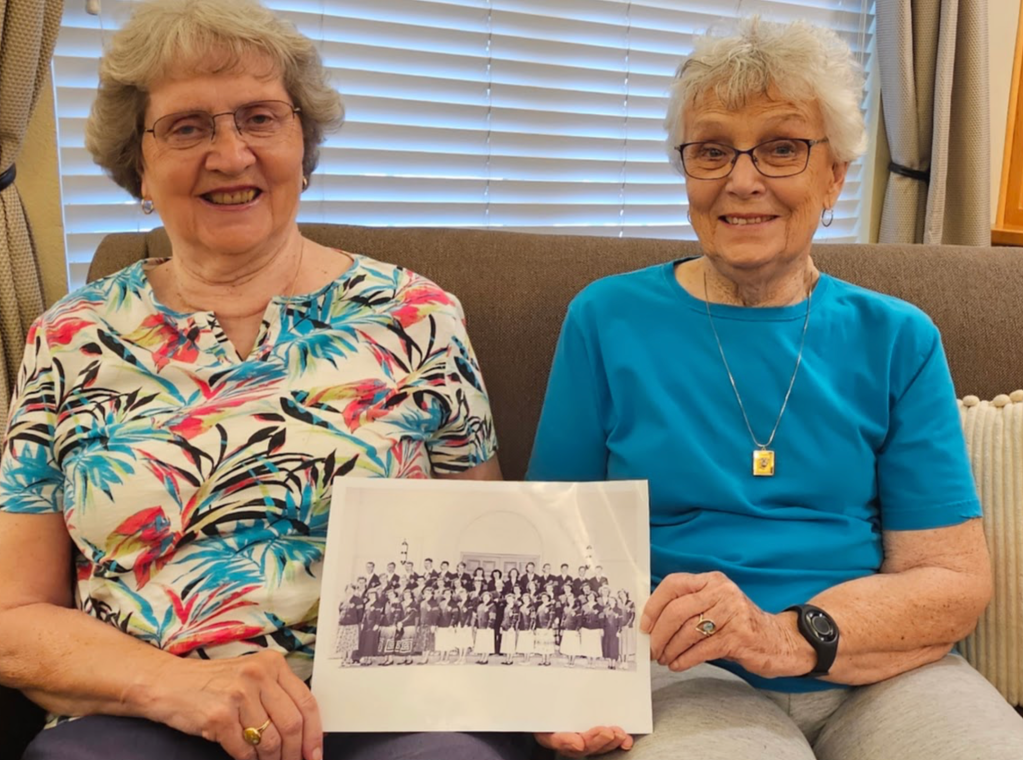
(783, 157)
(259, 121)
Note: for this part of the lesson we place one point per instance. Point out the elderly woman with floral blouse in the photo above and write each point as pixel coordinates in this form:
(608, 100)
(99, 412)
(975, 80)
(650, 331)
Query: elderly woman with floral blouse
(178, 425)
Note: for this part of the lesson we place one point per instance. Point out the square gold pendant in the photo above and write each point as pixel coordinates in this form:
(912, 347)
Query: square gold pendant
(763, 463)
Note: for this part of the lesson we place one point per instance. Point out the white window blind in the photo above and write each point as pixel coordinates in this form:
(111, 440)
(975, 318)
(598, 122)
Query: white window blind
(533, 115)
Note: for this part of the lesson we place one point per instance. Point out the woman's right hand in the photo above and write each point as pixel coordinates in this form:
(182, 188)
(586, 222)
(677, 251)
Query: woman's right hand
(219, 699)
(596, 741)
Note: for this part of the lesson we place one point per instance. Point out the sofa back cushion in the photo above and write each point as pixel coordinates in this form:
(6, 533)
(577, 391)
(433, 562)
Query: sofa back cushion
(515, 288)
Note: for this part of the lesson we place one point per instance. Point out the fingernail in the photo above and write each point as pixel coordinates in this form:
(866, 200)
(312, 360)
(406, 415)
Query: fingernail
(644, 624)
(318, 754)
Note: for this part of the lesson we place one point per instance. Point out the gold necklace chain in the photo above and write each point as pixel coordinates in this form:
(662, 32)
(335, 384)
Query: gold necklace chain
(763, 457)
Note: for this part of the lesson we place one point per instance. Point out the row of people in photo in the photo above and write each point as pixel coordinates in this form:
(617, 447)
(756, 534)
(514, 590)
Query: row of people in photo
(497, 582)
(383, 626)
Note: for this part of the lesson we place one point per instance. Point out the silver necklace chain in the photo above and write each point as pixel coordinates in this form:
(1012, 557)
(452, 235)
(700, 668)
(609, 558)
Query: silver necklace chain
(731, 378)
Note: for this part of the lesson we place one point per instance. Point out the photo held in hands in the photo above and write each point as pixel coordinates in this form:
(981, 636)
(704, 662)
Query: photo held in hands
(480, 605)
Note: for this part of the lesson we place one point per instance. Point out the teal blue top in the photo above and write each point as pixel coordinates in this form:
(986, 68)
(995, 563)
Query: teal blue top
(871, 440)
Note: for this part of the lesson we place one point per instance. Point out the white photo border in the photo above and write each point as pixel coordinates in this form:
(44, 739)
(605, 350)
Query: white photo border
(487, 698)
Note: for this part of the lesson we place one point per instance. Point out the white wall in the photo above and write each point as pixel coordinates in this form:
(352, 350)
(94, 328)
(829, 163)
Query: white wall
(1003, 17)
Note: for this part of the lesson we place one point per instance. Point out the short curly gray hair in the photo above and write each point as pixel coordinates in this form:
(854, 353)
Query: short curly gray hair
(211, 36)
(798, 61)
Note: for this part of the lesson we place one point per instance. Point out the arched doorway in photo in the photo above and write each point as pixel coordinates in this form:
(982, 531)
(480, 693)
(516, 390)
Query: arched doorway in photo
(501, 541)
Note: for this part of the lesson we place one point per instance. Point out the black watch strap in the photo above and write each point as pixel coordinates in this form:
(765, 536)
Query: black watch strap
(818, 628)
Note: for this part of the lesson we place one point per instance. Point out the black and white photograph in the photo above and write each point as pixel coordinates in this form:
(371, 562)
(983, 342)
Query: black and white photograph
(484, 606)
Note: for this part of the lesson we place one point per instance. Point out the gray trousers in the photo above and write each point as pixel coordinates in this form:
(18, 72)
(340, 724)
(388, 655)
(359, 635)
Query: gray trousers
(105, 737)
(942, 711)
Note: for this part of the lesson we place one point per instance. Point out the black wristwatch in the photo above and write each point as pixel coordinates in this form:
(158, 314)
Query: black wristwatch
(819, 628)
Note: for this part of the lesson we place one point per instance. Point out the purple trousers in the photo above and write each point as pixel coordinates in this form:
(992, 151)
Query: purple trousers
(105, 737)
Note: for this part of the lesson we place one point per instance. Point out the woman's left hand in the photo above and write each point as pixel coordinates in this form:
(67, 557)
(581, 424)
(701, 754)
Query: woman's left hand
(734, 628)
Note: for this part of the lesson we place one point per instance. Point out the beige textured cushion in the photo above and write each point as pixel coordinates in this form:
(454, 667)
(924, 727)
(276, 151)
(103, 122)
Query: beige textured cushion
(994, 436)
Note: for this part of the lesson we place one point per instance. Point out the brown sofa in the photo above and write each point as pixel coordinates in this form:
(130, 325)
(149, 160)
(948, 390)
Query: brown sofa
(515, 288)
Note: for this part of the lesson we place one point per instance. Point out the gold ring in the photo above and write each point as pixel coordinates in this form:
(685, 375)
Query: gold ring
(706, 626)
(255, 735)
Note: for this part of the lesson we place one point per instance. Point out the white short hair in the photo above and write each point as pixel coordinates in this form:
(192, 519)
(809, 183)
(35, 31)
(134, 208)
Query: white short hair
(798, 61)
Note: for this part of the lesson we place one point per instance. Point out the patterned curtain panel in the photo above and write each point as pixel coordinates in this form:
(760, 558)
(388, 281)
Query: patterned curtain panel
(28, 32)
(933, 63)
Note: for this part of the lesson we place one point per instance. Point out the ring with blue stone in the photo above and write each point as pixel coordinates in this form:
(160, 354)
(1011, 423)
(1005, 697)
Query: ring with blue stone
(706, 626)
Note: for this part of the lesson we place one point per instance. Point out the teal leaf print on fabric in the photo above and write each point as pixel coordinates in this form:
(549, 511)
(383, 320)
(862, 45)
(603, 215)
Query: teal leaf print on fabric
(322, 346)
(26, 474)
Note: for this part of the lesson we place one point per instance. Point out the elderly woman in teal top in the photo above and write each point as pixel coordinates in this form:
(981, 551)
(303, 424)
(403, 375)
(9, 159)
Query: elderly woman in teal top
(815, 530)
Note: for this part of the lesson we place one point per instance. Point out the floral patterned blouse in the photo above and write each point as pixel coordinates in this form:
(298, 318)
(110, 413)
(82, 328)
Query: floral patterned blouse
(196, 485)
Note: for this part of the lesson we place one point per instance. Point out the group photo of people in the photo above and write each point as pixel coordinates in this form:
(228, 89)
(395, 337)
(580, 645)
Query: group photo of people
(439, 614)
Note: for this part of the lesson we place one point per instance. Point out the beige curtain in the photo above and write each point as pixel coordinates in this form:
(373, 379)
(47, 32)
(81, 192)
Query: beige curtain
(933, 59)
(28, 32)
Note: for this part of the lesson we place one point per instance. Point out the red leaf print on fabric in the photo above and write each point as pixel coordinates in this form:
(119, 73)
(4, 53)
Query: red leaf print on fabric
(165, 342)
(226, 632)
(207, 416)
(419, 299)
(369, 401)
(414, 461)
(61, 331)
(141, 541)
(182, 611)
(219, 406)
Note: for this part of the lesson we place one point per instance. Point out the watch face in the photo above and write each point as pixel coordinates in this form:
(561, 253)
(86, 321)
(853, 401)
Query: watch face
(821, 626)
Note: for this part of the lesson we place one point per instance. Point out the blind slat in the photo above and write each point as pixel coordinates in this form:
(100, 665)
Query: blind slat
(529, 115)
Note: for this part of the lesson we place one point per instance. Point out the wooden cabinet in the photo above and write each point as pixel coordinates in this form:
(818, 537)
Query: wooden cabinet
(1008, 228)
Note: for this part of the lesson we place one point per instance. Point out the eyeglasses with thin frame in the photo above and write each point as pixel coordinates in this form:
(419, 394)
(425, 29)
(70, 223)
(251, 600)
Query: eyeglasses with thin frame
(255, 122)
(784, 157)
